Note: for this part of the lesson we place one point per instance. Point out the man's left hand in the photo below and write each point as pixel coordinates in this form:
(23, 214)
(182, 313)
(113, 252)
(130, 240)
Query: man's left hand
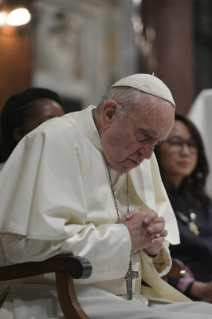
(157, 227)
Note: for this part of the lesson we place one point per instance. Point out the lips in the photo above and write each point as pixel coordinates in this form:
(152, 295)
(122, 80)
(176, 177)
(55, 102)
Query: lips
(133, 161)
(184, 163)
(136, 162)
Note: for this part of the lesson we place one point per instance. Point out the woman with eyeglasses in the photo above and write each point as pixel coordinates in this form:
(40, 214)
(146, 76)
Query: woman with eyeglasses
(184, 169)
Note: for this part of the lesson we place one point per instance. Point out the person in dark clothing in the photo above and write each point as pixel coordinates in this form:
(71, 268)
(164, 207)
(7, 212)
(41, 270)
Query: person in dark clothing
(184, 169)
(22, 113)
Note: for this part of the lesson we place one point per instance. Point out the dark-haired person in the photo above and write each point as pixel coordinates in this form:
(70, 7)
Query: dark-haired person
(184, 169)
(22, 113)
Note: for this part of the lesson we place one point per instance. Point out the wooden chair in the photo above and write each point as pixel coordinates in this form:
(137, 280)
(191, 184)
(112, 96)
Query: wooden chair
(65, 267)
(177, 269)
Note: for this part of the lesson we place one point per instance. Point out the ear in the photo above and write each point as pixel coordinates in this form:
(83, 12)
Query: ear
(16, 134)
(109, 112)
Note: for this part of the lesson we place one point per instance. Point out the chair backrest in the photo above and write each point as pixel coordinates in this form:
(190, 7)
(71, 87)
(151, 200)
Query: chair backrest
(66, 268)
(2, 255)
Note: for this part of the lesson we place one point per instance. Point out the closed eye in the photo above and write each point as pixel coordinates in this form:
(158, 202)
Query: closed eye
(145, 134)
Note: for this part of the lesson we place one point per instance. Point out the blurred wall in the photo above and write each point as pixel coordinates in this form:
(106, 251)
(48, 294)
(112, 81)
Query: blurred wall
(82, 47)
(15, 62)
(202, 10)
(15, 53)
(167, 49)
(77, 48)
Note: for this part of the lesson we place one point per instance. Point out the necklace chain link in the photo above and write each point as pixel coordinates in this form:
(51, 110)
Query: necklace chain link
(113, 192)
(130, 275)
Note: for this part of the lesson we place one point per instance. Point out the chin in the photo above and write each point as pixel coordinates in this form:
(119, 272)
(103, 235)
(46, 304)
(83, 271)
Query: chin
(124, 169)
(185, 172)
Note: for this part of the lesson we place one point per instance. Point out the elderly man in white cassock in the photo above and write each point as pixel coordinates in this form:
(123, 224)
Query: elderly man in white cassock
(88, 184)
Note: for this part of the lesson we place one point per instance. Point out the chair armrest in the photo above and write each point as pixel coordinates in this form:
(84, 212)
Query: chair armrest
(65, 267)
(177, 269)
(77, 267)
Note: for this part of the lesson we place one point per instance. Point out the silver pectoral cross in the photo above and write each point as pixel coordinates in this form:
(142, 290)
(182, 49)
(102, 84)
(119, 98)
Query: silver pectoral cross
(131, 274)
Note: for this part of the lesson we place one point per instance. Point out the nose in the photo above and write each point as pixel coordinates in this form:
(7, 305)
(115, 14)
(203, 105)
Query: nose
(147, 151)
(185, 149)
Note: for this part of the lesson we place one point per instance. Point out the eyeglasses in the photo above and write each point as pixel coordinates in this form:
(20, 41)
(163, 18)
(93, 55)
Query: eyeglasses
(176, 145)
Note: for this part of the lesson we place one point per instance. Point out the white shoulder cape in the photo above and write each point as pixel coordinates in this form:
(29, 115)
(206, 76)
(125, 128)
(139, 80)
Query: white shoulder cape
(56, 181)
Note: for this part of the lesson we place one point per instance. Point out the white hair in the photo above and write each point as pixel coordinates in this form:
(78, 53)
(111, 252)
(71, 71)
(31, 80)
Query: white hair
(126, 97)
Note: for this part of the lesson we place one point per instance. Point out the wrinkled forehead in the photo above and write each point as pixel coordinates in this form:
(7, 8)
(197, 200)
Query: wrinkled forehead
(155, 115)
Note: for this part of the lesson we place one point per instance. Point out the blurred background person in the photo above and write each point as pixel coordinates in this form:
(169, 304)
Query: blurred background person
(200, 114)
(184, 169)
(22, 113)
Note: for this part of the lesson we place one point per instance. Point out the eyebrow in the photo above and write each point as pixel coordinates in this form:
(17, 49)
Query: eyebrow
(177, 136)
(147, 130)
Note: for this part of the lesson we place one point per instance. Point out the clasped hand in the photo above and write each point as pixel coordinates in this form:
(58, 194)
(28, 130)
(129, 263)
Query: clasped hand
(143, 227)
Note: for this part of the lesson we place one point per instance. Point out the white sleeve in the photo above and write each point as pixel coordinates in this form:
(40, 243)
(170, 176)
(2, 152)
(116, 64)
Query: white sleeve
(107, 247)
(163, 261)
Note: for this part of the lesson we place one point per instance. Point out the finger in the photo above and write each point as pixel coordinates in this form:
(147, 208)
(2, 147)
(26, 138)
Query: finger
(157, 241)
(164, 233)
(154, 249)
(150, 216)
(145, 216)
(156, 227)
(159, 219)
(132, 214)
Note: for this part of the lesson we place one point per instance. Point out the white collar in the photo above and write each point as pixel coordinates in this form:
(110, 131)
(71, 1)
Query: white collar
(92, 120)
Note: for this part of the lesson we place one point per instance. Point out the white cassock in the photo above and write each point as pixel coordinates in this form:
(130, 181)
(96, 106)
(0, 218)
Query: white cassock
(56, 198)
(201, 115)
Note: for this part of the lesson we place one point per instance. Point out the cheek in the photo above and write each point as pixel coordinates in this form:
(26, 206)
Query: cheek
(116, 149)
(113, 141)
(168, 163)
(111, 147)
(194, 163)
(31, 124)
(166, 159)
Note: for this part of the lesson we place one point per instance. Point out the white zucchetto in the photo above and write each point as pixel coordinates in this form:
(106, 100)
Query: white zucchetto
(147, 83)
